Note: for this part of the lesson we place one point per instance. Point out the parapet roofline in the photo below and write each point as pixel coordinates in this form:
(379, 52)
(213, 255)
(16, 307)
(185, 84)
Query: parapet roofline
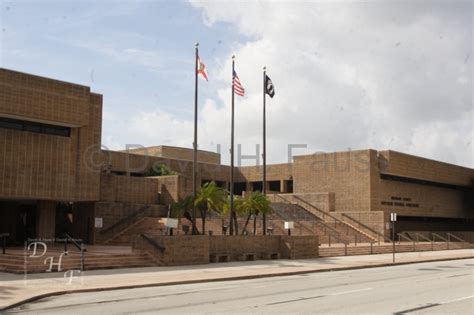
(49, 79)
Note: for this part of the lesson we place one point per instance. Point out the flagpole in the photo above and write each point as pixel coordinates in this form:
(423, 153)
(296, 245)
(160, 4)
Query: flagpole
(194, 228)
(264, 190)
(231, 226)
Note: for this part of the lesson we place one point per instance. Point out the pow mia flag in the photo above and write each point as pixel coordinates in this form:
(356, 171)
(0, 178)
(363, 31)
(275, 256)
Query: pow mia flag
(269, 89)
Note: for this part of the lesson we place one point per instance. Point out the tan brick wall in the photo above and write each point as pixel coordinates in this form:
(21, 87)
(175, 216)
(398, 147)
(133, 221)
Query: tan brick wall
(121, 162)
(40, 166)
(274, 172)
(131, 189)
(171, 188)
(192, 250)
(432, 201)
(178, 154)
(346, 174)
(413, 166)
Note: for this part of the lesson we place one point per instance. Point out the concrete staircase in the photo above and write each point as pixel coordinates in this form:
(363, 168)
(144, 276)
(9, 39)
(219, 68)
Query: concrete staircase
(347, 231)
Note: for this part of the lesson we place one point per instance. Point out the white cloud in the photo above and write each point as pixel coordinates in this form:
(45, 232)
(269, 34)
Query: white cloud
(348, 75)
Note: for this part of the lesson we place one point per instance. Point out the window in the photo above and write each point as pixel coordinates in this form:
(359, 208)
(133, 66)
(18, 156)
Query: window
(35, 127)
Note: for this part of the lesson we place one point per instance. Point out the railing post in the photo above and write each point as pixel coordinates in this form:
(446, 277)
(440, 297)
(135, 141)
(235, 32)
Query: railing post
(345, 249)
(449, 239)
(371, 247)
(329, 240)
(65, 243)
(355, 239)
(82, 257)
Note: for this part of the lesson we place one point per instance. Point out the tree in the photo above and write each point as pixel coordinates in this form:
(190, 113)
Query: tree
(209, 198)
(182, 208)
(238, 201)
(160, 170)
(254, 204)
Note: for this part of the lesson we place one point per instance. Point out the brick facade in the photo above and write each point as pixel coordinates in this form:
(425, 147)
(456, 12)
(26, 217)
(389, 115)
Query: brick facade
(42, 170)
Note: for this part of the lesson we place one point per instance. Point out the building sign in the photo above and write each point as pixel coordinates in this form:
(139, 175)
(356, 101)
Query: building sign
(393, 217)
(98, 223)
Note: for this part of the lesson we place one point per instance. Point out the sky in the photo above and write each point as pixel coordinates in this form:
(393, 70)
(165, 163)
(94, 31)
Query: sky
(348, 74)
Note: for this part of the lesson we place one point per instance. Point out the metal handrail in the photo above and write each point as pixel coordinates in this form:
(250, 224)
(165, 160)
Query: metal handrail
(379, 235)
(455, 237)
(123, 220)
(400, 235)
(77, 245)
(336, 220)
(286, 218)
(4, 242)
(422, 236)
(324, 213)
(326, 226)
(439, 236)
(152, 242)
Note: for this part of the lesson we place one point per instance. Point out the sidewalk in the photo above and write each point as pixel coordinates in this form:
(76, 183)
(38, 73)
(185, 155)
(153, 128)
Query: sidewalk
(15, 289)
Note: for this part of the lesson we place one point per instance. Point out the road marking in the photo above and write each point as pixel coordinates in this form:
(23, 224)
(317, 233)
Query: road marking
(458, 299)
(352, 291)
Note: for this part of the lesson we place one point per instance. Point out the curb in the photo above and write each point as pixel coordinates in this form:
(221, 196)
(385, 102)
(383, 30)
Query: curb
(233, 278)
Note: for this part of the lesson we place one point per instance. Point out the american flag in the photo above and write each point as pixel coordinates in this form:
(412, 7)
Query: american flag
(238, 88)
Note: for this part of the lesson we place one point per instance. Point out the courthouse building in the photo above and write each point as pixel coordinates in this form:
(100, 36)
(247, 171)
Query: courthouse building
(56, 179)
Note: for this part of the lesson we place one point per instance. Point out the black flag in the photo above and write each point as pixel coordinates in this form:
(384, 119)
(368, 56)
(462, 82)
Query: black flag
(269, 89)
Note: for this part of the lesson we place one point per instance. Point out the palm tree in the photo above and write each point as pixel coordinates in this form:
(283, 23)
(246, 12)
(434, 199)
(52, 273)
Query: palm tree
(238, 209)
(209, 198)
(254, 204)
(182, 208)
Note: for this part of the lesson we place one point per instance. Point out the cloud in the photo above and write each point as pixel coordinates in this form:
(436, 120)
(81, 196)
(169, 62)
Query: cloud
(392, 75)
(352, 75)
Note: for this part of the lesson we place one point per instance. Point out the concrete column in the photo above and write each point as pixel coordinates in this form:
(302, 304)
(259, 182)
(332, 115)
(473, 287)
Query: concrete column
(46, 219)
(283, 186)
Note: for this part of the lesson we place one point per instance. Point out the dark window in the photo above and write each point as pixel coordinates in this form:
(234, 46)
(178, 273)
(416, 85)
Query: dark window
(35, 127)
(239, 188)
(256, 186)
(417, 181)
(289, 186)
(274, 185)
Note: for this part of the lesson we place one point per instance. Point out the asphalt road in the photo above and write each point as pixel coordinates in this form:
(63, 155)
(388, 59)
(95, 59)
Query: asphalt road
(427, 288)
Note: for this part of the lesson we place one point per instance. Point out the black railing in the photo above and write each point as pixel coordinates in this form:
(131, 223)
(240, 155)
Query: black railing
(79, 246)
(124, 220)
(378, 235)
(4, 237)
(153, 243)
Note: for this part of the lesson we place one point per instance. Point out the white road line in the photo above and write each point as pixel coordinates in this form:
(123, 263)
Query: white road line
(352, 291)
(458, 299)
